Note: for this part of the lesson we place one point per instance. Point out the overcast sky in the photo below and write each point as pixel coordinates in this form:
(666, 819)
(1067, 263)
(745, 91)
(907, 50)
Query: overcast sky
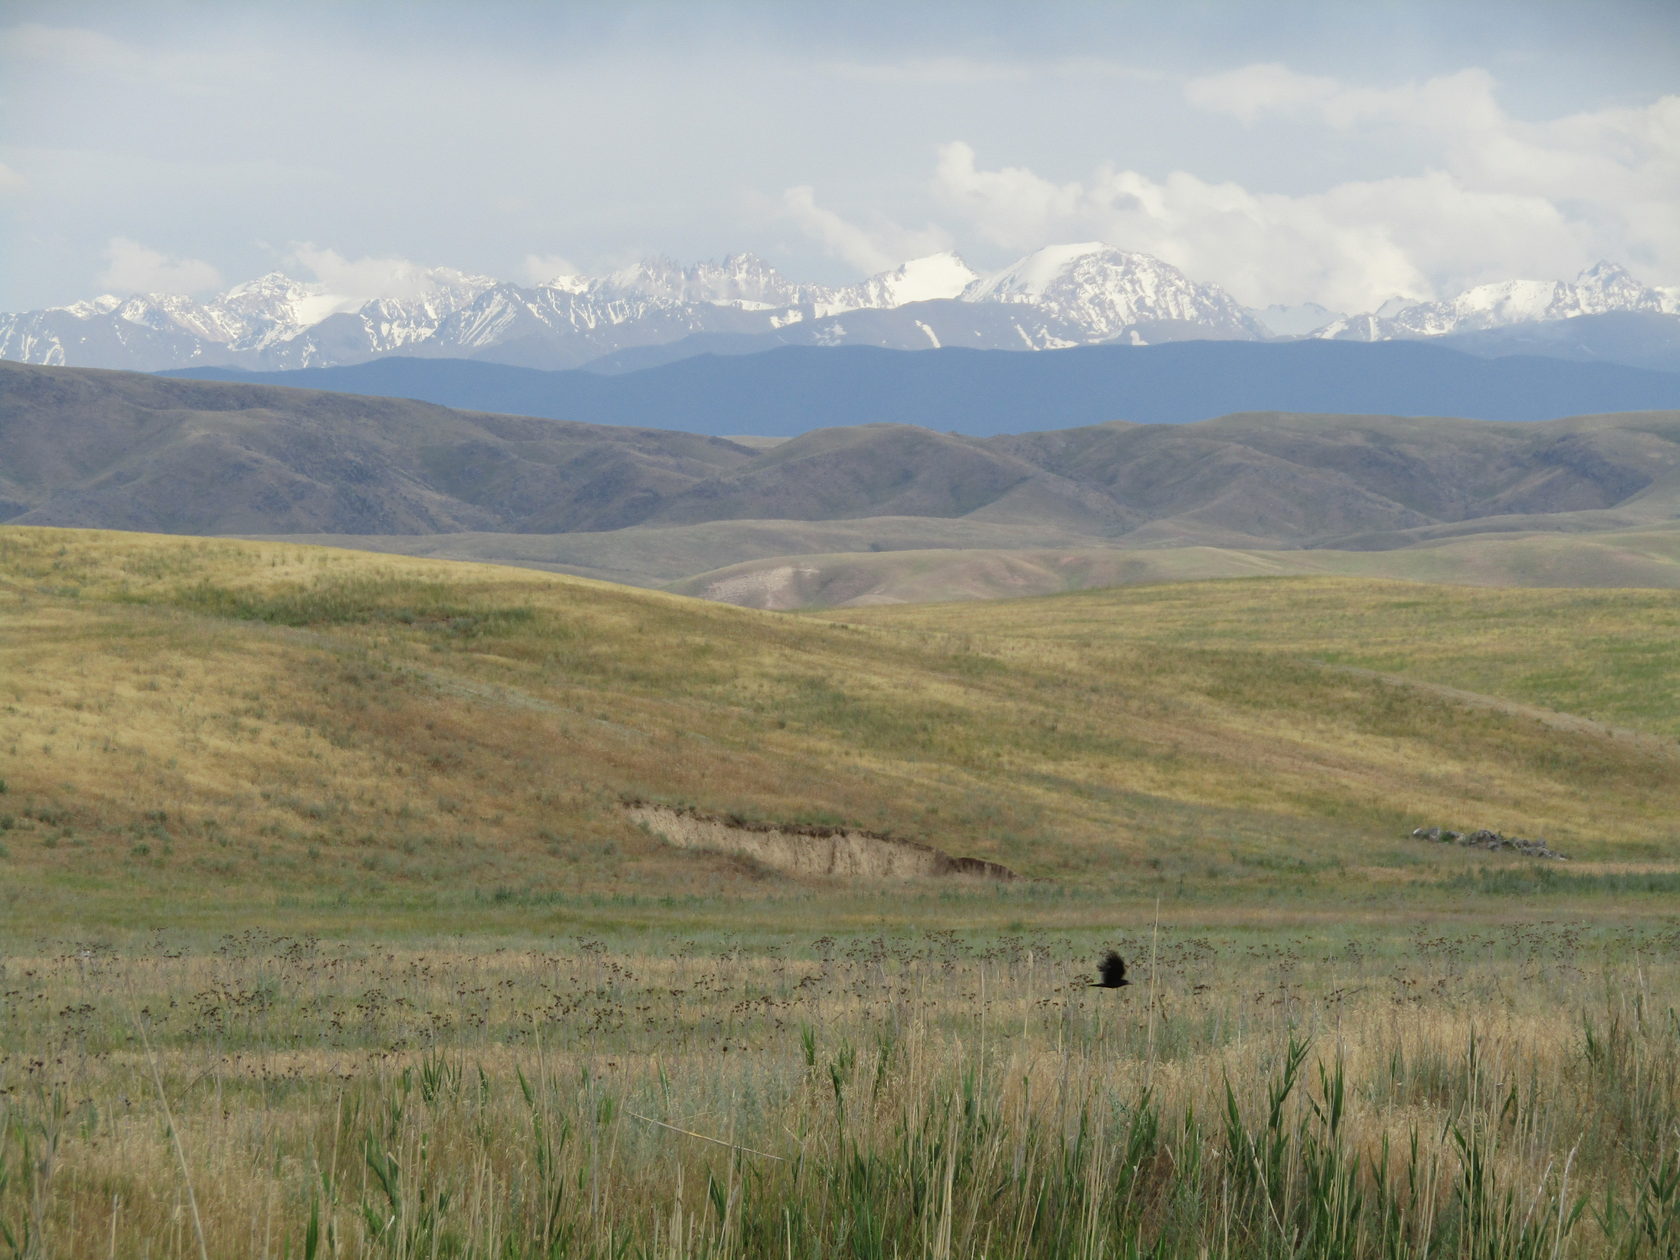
(1340, 152)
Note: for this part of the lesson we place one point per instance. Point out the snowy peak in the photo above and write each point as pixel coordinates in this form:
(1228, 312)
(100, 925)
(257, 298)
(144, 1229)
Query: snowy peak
(569, 283)
(1607, 286)
(1111, 291)
(90, 307)
(739, 280)
(1300, 320)
(1063, 295)
(1031, 278)
(276, 286)
(1356, 328)
(1600, 289)
(937, 277)
(1605, 274)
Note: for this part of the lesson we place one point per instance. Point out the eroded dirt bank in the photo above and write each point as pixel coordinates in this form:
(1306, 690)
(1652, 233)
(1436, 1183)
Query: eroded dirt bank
(810, 850)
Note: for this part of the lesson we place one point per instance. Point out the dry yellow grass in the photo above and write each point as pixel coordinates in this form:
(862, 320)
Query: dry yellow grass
(418, 1101)
(337, 843)
(310, 728)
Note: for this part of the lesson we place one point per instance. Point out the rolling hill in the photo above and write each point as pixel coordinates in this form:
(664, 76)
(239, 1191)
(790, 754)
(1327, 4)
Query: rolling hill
(86, 448)
(236, 725)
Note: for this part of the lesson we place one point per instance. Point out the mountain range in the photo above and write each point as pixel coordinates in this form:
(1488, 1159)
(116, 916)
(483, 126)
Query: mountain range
(844, 514)
(791, 390)
(658, 310)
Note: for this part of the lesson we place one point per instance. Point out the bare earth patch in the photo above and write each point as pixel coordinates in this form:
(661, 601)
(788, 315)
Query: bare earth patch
(810, 850)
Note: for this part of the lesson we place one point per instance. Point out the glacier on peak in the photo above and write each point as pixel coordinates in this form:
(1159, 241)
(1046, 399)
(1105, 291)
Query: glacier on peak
(1027, 280)
(935, 277)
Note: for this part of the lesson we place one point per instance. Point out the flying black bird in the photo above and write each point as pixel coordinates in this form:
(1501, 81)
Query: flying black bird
(1113, 972)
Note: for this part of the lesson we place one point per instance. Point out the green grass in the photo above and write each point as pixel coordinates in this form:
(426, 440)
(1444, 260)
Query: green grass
(1258, 1093)
(1608, 655)
(196, 727)
(323, 931)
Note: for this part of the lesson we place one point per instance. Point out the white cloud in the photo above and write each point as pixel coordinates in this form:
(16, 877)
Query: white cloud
(541, 268)
(1614, 174)
(1465, 99)
(870, 250)
(1495, 197)
(1252, 91)
(11, 181)
(362, 278)
(1262, 247)
(136, 268)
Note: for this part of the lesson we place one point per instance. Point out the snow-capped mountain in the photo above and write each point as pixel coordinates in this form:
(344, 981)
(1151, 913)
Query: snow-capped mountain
(1064, 295)
(1599, 290)
(1297, 320)
(741, 280)
(1069, 295)
(1110, 292)
(274, 321)
(938, 277)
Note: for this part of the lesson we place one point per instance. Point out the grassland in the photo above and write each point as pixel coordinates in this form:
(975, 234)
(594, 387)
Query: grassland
(323, 931)
(310, 725)
(1646, 557)
(1499, 1093)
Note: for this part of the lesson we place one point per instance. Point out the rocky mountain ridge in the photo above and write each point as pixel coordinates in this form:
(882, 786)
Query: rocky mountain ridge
(1057, 297)
(1601, 289)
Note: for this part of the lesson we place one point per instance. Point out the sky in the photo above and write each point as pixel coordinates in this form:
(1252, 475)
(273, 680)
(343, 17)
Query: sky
(1342, 153)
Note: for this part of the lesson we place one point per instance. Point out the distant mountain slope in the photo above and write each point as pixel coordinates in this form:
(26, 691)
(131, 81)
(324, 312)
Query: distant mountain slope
(794, 389)
(1059, 296)
(123, 450)
(656, 310)
(1631, 338)
(129, 451)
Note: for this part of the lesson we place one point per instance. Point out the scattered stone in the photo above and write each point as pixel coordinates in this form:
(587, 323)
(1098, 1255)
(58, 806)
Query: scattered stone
(1485, 839)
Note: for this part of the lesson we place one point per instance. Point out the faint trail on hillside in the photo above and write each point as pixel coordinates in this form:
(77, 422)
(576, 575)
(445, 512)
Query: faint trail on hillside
(447, 684)
(1556, 719)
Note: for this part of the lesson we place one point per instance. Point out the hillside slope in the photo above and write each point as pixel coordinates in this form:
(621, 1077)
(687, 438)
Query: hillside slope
(125, 450)
(250, 720)
(1646, 557)
(122, 450)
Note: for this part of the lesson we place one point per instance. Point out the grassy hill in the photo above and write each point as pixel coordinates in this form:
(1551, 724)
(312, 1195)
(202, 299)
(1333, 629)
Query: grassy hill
(1581, 501)
(1642, 557)
(321, 910)
(229, 728)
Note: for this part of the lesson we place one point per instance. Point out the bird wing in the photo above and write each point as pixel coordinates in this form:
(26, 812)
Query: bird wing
(1113, 969)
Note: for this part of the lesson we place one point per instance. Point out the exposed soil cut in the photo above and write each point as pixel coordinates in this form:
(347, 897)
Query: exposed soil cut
(810, 850)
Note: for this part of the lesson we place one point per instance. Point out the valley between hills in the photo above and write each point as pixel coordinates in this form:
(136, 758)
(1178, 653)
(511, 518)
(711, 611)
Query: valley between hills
(855, 515)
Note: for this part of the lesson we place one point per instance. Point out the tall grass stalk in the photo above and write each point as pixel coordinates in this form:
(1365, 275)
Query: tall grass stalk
(868, 1099)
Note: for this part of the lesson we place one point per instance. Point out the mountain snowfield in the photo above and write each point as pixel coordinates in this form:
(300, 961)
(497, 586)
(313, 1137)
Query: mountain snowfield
(1600, 290)
(1060, 296)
